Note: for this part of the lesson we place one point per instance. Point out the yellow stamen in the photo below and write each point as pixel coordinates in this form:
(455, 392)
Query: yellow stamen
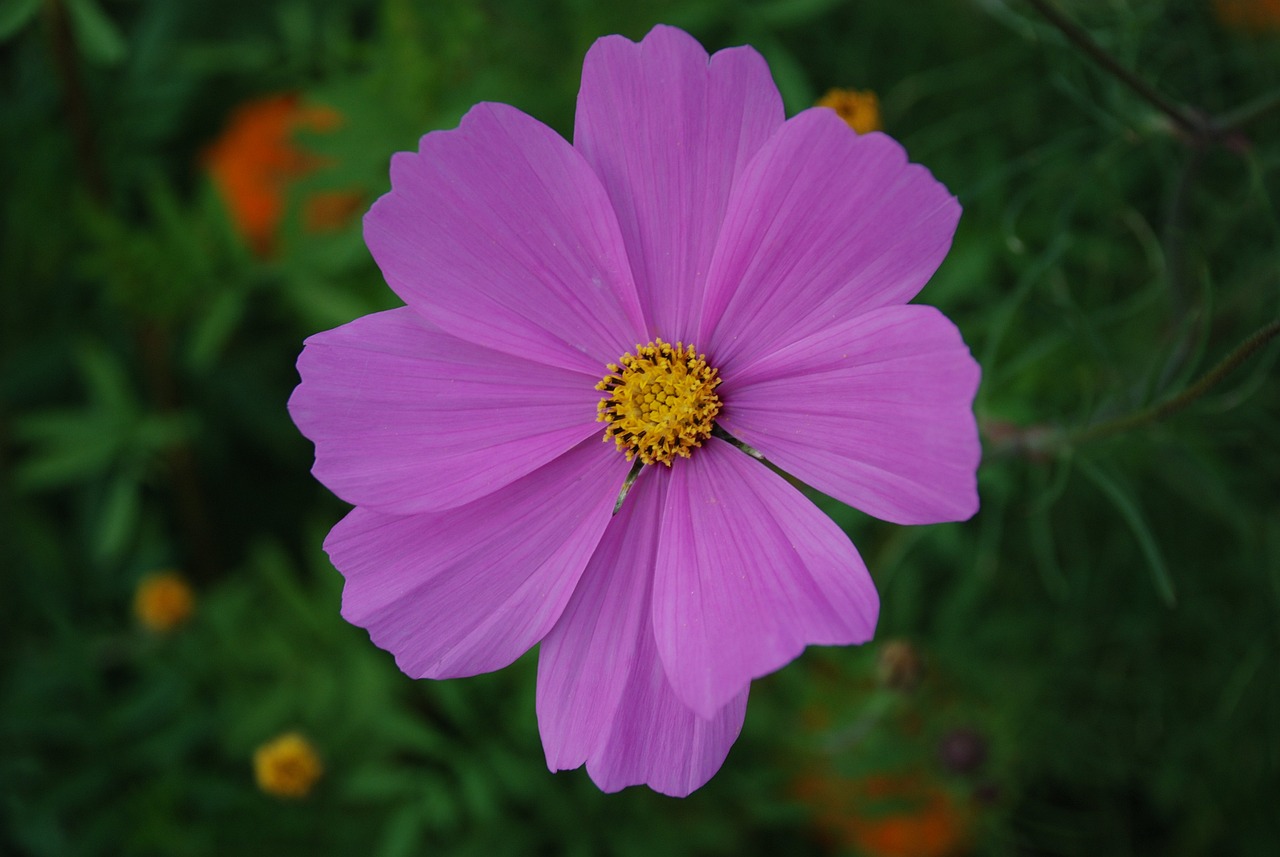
(661, 402)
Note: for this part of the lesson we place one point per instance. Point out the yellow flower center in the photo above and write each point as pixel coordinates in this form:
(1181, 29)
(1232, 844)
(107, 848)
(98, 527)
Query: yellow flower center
(662, 402)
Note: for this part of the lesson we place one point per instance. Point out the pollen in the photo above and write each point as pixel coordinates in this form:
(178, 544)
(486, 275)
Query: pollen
(661, 403)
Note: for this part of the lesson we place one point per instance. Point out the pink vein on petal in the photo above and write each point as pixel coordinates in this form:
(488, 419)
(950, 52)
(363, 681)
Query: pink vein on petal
(470, 589)
(407, 418)
(877, 412)
(499, 233)
(603, 695)
(822, 225)
(667, 131)
(749, 573)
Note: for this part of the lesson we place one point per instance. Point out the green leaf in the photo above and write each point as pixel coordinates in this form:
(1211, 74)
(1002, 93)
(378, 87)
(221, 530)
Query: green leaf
(69, 446)
(214, 329)
(97, 34)
(14, 15)
(787, 13)
(1040, 528)
(106, 380)
(403, 835)
(158, 432)
(290, 597)
(380, 784)
(118, 519)
(414, 735)
(1132, 515)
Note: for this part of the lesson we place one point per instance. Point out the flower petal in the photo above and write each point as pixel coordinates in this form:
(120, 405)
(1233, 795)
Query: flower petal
(822, 225)
(470, 589)
(659, 741)
(603, 696)
(406, 418)
(499, 233)
(749, 572)
(877, 412)
(667, 132)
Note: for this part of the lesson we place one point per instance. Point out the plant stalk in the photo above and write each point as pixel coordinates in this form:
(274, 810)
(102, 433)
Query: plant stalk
(1173, 404)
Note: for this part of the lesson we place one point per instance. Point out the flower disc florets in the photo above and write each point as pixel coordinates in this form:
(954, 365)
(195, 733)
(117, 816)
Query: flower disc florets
(662, 402)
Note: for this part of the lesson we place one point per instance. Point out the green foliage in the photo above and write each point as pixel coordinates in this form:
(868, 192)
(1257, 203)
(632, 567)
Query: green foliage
(1108, 623)
(14, 16)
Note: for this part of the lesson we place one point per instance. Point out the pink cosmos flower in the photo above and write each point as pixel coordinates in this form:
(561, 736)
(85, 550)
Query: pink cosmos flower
(692, 270)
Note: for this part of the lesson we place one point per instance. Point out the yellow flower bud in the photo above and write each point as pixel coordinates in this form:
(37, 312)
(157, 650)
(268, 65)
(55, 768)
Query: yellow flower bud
(287, 766)
(163, 601)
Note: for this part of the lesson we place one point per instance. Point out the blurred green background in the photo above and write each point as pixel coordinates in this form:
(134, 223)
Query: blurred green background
(1090, 666)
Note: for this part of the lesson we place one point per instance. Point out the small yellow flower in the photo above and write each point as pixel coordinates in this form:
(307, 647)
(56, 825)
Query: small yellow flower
(163, 601)
(861, 110)
(287, 766)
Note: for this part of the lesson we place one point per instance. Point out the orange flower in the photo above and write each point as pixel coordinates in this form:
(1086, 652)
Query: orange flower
(1255, 15)
(255, 159)
(287, 766)
(163, 601)
(860, 110)
(887, 815)
(883, 808)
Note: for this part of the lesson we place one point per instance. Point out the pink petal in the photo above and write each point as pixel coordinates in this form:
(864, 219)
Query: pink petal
(603, 696)
(470, 589)
(822, 225)
(749, 572)
(408, 419)
(877, 412)
(667, 132)
(499, 233)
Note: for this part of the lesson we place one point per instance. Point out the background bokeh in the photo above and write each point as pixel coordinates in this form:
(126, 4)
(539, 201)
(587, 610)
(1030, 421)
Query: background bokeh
(1089, 666)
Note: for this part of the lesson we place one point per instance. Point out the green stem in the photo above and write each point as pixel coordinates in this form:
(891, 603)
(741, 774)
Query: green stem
(1173, 404)
(1195, 125)
(153, 341)
(1043, 441)
(67, 62)
(1249, 112)
(191, 512)
(1171, 242)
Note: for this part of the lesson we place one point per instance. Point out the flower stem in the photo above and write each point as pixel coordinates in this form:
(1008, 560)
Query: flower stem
(1198, 126)
(1042, 441)
(1249, 111)
(1171, 243)
(1173, 404)
(153, 341)
(66, 60)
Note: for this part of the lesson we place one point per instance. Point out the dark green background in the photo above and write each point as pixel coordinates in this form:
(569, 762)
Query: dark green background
(1106, 626)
